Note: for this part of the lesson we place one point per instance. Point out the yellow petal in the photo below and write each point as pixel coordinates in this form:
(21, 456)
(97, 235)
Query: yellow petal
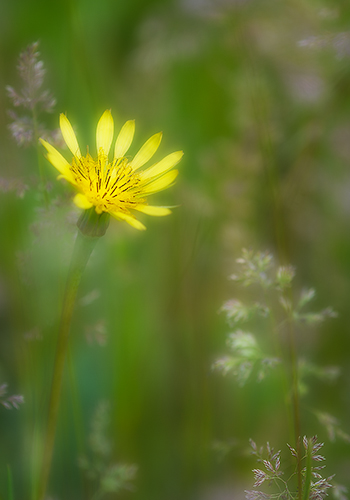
(149, 210)
(147, 151)
(124, 139)
(163, 166)
(57, 160)
(69, 135)
(81, 201)
(129, 219)
(161, 183)
(104, 132)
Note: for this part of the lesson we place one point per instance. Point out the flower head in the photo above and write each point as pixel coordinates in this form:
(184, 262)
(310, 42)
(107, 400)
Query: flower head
(116, 186)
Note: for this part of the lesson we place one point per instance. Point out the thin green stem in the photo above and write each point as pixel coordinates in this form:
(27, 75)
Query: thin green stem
(274, 329)
(82, 251)
(9, 483)
(308, 470)
(295, 399)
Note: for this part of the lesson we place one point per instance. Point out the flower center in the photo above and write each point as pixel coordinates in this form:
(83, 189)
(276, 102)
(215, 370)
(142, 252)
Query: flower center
(108, 186)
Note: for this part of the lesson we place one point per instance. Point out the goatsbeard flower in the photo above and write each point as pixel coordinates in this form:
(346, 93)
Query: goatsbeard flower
(116, 186)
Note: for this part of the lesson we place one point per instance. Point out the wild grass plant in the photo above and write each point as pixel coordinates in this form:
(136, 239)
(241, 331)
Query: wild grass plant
(284, 316)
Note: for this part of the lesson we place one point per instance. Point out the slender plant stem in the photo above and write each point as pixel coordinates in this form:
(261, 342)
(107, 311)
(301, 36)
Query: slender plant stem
(308, 470)
(9, 483)
(82, 251)
(295, 399)
(276, 342)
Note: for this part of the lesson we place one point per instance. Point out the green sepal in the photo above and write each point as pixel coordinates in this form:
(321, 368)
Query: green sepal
(92, 224)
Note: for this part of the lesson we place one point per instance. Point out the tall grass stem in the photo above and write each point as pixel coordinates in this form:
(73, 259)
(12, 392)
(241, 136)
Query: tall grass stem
(295, 400)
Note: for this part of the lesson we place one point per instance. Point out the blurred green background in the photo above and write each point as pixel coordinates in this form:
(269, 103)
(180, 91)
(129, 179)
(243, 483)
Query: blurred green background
(257, 94)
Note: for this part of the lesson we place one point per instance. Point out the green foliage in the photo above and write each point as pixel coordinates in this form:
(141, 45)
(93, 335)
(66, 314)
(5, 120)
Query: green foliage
(246, 356)
(332, 426)
(259, 270)
(254, 268)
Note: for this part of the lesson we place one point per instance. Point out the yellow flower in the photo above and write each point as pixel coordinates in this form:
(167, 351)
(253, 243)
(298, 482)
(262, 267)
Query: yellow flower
(118, 186)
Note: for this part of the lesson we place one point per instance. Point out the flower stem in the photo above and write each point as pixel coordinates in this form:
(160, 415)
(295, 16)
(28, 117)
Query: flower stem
(84, 246)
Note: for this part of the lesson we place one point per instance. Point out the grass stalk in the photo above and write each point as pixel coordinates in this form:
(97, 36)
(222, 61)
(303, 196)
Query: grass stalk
(295, 401)
(10, 494)
(308, 470)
